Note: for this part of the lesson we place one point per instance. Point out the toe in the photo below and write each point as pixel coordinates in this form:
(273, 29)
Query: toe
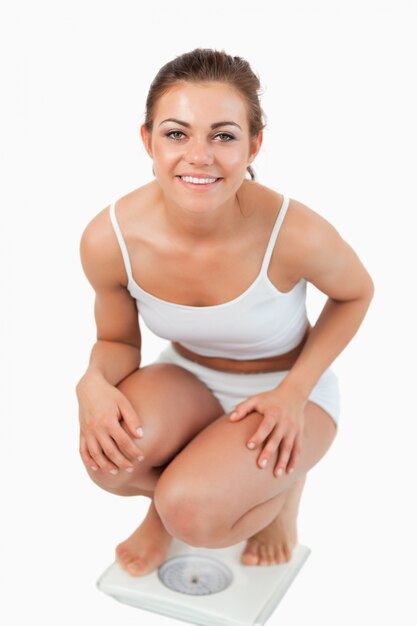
(263, 555)
(136, 566)
(131, 563)
(277, 555)
(250, 554)
(287, 553)
(283, 554)
(270, 550)
(122, 554)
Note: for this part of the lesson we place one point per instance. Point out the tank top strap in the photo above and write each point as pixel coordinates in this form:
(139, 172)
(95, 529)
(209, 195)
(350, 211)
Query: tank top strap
(274, 234)
(121, 241)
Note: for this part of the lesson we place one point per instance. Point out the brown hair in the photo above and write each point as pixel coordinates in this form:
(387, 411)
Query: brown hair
(205, 65)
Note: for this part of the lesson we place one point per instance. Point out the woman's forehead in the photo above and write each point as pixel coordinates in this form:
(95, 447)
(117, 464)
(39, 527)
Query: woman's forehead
(192, 102)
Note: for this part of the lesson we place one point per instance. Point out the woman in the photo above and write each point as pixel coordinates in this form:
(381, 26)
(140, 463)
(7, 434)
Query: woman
(197, 253)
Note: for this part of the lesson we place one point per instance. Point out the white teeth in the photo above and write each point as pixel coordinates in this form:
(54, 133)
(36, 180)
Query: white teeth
(198, 181)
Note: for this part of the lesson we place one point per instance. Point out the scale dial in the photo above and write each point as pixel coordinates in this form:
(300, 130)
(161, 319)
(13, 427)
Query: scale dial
(195, 575)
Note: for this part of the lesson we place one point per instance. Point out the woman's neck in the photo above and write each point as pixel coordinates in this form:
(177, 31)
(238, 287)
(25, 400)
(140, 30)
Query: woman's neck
(206, 226)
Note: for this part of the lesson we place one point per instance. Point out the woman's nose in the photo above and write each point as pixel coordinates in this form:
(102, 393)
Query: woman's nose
(199, 152)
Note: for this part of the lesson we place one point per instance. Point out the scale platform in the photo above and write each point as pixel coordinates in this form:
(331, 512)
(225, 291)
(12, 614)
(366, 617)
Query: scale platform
(206, 586)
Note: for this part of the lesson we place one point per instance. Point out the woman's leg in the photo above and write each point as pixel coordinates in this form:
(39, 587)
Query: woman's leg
(214, 494)
(173, 406)
(275, 543)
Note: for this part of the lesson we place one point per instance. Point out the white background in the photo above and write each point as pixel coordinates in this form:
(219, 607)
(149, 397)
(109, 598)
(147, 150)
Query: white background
(341, 137)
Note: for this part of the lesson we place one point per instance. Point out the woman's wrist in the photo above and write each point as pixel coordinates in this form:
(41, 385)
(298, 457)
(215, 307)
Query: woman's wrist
(91, 376)
(295, 386)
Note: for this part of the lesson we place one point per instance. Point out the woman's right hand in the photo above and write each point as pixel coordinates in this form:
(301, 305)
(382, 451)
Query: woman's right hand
(109, 426)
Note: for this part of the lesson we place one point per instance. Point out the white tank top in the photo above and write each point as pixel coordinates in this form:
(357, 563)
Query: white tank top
(261, 322)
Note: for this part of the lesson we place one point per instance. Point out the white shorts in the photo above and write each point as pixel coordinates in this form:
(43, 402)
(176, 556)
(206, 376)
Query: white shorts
(231, 388)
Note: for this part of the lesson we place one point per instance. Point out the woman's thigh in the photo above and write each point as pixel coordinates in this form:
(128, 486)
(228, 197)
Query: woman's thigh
(172, 404)
(215, 480)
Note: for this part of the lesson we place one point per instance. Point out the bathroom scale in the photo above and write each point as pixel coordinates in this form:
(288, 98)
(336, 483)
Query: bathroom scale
(206, 586)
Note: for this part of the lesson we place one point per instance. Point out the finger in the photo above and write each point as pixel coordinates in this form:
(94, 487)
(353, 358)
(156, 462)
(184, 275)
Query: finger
(130, 417)
(126, 446)
(285, 450)
(243, 408)
(100, 459)
(295, 454)
(269, 450)
(264, 429)
(86, 457)
(112, 452)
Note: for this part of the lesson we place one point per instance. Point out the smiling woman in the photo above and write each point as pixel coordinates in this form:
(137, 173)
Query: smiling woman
(196, 147)
(195, 253)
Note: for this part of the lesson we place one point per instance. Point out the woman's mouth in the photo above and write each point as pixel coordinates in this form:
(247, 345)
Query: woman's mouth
(199, 183)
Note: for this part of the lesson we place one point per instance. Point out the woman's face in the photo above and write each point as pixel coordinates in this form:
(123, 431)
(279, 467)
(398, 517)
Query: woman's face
(201, 131)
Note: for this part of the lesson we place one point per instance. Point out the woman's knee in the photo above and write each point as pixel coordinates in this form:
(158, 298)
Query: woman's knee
(162, 395)
(106, 481)
(172, 405)
(184, 516)
(193, 494)
(121, 482)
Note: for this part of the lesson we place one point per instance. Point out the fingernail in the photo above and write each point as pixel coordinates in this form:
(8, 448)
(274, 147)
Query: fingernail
(93, 467)
(140, 458)
(233, 415)
(263, 462)
(251, 445)
(279, 472)
(114, 472)
(140, 431)
(290, 471)
(129, 469)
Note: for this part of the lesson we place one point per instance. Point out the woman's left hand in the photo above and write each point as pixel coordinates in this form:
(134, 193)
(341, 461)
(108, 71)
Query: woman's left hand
(282, 425)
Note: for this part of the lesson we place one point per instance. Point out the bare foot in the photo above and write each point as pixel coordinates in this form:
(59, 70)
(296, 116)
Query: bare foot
(147, 546)
(275, 543)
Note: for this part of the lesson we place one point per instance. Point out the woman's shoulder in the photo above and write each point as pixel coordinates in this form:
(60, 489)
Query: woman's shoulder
(100, 231)
(300, 219)
(99, 249)
(307, 227)
(306, 233)
(303, 231)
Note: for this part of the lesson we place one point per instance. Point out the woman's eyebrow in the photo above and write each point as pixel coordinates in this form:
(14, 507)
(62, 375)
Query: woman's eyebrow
(187, 125)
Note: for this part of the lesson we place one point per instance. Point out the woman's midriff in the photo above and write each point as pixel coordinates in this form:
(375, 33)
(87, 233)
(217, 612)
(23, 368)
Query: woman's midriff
(268, 364)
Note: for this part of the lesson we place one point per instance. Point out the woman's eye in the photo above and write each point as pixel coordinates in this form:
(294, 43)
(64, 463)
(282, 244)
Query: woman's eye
(229, 137)
(175, 132)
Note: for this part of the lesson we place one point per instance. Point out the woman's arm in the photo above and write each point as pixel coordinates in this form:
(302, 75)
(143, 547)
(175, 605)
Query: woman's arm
(313, 250)
(113, 360)
(329, 263)
(109, 424)
(117, 351)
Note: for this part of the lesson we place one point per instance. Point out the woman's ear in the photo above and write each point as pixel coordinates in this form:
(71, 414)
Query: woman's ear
(146, 139)
(255, 146)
